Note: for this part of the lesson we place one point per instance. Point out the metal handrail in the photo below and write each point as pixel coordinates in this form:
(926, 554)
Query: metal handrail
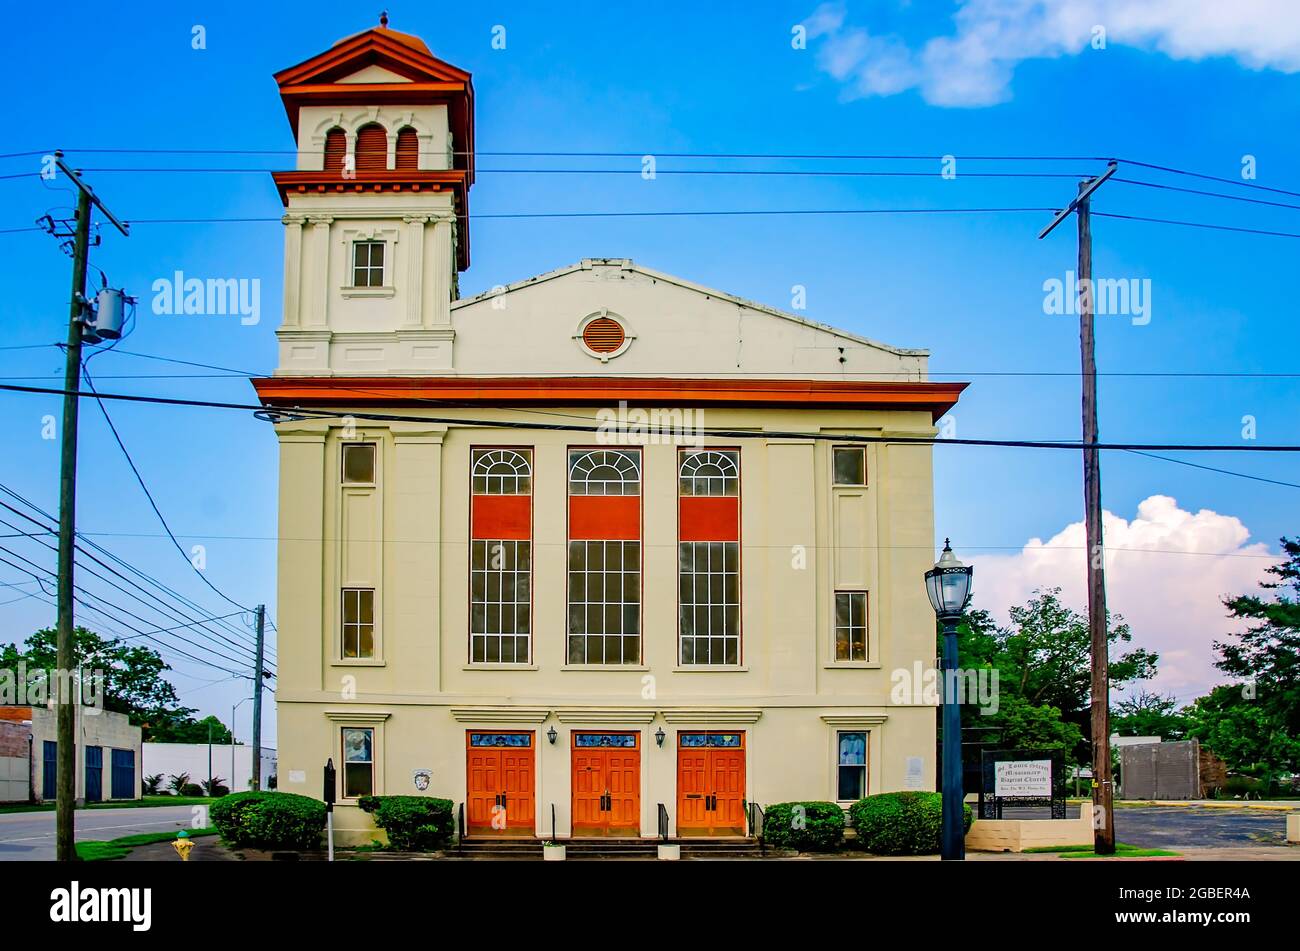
(552, 822)
(663, 822)
(460, 829)
(754, 816)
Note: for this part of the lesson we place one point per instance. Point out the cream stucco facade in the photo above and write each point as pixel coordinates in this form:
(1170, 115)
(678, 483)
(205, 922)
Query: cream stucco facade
(775, 392)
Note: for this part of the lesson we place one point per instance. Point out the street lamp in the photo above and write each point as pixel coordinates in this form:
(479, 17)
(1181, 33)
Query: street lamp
(948, 584)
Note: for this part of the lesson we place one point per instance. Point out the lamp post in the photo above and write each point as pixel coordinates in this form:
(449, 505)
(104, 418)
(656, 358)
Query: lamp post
(948, 584)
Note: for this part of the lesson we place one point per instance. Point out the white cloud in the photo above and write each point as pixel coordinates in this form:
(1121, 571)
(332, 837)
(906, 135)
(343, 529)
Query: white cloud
(974, 65)
(1172, 602)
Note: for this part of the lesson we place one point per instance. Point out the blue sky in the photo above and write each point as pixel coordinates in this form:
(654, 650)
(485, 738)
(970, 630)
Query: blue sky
(711, 78)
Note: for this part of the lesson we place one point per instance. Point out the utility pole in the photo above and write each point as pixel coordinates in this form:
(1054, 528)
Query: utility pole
(257, 699)
(65, 767)
(1103, 791)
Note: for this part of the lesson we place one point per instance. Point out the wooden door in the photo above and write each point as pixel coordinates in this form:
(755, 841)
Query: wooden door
(500, 794)
(606, 784)
(728, 770)
(711, 784)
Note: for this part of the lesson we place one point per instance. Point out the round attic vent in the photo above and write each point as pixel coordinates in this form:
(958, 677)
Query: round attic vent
(603, 335)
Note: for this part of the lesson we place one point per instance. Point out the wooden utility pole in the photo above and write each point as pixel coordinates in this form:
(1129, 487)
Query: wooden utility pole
(68, 696)
(1102, 785)
(257, 700)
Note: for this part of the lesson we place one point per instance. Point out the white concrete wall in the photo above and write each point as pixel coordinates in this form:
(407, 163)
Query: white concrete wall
(172, 759)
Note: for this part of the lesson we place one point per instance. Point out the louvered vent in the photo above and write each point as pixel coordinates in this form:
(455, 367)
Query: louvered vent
(603, 335)
(336, 147)
(408, 148)
(372, 148)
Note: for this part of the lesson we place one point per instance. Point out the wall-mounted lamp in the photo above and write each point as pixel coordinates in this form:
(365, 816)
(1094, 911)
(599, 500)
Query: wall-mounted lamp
(551, 735)
(659, 737)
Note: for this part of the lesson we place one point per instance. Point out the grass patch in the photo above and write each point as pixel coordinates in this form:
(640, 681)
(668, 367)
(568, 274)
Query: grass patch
(96, 851)
(1122, 850)
(113, 804)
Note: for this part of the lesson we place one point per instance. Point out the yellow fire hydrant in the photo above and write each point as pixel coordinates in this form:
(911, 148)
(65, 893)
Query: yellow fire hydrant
(183, 844)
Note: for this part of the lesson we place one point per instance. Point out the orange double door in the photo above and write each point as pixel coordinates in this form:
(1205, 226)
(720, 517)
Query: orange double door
(606, 784)
(500, 779)
(711, 784)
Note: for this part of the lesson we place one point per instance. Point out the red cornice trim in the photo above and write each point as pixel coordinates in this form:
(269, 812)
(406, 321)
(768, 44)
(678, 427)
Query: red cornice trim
(938, 398)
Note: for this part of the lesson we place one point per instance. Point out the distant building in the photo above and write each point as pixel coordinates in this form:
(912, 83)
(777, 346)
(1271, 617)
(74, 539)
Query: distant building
(233, 765)
(107, 759)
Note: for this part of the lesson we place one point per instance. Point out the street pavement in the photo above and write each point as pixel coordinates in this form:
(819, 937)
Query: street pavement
(29, 836)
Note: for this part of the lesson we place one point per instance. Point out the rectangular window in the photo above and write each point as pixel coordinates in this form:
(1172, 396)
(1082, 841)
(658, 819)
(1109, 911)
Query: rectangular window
(358, 623)
(708, 557)
(359, 463)
(358, 762)
(851, 625)
(368, 264)
(500, 588)
(604, 556)
(851, 766)
(850, 465)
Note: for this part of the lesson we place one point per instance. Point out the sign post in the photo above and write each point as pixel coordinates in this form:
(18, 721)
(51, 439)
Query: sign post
(329, 805)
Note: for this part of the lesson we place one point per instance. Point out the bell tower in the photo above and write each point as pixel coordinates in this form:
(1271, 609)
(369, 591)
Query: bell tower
(376, 209)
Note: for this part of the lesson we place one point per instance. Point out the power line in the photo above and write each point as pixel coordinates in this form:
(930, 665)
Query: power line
(145, 488)
(126, 566)
(296, 412)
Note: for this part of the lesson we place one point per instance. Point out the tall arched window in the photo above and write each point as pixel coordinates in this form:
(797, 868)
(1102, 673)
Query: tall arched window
(501, 556)
(372, 148)
(336, 148)
(408, 148)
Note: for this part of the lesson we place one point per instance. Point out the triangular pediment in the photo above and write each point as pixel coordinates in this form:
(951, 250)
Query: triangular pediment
(374, 74)
(396, 53)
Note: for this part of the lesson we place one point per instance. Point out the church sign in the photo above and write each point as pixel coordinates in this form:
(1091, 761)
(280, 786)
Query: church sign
(1023, 779)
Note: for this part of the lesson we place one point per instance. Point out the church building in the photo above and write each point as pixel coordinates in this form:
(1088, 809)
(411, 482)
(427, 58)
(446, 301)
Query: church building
(599, 552)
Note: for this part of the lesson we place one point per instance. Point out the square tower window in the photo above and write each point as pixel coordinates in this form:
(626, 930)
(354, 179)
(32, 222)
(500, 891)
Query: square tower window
(368, 264)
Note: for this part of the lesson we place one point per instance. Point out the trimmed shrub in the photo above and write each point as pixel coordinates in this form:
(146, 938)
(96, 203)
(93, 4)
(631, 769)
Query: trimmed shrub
(269, 820)
(191, 789)
(901, 823)
(413, 823)
(805, 826)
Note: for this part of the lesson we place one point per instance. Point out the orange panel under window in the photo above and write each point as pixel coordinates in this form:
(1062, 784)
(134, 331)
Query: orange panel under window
(710, 519)
(605, 517)
(502, 516)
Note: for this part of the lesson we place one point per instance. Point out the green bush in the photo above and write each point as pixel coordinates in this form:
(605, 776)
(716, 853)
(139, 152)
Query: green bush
(269, 820)
(805, 826)
(413, 823)
(191, 789)
(901, 823)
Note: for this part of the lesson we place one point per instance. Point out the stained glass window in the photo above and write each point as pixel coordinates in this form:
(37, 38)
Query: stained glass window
(627, 740)
(500, 739)
(358, 762)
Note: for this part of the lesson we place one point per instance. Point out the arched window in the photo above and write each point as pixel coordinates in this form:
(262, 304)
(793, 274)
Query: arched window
(710, 473)
(408, 148)
(501, 472)
(336, 148)
(372, 148)
(604, 472)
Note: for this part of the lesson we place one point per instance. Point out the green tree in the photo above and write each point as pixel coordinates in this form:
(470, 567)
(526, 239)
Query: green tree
(1267, 653)
(133, 675)
(189, 730)
(1243, 733)
(1148, 714)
